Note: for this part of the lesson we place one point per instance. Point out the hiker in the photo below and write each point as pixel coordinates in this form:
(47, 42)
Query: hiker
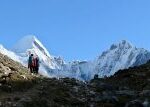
(36, 64)
(30, 63)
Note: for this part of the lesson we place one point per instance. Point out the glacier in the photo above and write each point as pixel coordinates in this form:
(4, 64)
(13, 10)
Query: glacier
(121, 55)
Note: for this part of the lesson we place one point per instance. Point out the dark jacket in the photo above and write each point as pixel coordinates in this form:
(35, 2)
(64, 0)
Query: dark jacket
(30, 61)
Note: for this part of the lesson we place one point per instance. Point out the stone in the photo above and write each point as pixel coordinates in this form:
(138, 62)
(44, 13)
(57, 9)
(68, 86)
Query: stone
(146, 103)
(145, 93)
(135, 103)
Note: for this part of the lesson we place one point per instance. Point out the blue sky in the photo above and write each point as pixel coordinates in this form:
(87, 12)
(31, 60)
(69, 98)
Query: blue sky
(76, 29)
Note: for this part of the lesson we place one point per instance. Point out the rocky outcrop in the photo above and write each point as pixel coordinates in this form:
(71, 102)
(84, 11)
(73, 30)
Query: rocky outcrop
(20, 88)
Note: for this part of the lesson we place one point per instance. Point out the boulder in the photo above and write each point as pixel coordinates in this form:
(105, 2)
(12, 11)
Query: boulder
(135, 103)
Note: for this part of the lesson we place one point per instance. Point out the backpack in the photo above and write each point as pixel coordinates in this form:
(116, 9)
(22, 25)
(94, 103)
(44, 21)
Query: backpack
(37, 62)
(34, 63)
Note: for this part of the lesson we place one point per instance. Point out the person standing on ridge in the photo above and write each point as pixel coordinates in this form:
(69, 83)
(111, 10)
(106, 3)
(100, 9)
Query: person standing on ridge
(37, 64)
(30, 63)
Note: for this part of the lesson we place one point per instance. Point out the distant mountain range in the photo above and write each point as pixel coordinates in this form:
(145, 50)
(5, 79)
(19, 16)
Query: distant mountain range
(120, 56)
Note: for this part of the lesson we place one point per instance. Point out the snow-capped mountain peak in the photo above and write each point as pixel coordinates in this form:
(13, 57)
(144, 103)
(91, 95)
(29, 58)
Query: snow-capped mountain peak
(122, 45)
(120, 56)
(31, 45)
(28, 43)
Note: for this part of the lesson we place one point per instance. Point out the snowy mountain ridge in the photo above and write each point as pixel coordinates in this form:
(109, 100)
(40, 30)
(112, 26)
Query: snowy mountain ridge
(120, 56)
(30, 44)
(9, 53)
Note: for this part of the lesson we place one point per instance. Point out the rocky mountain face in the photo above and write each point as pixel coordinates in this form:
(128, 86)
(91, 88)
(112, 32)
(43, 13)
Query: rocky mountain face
(14, 78)
(19, 88)
(120, 56)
